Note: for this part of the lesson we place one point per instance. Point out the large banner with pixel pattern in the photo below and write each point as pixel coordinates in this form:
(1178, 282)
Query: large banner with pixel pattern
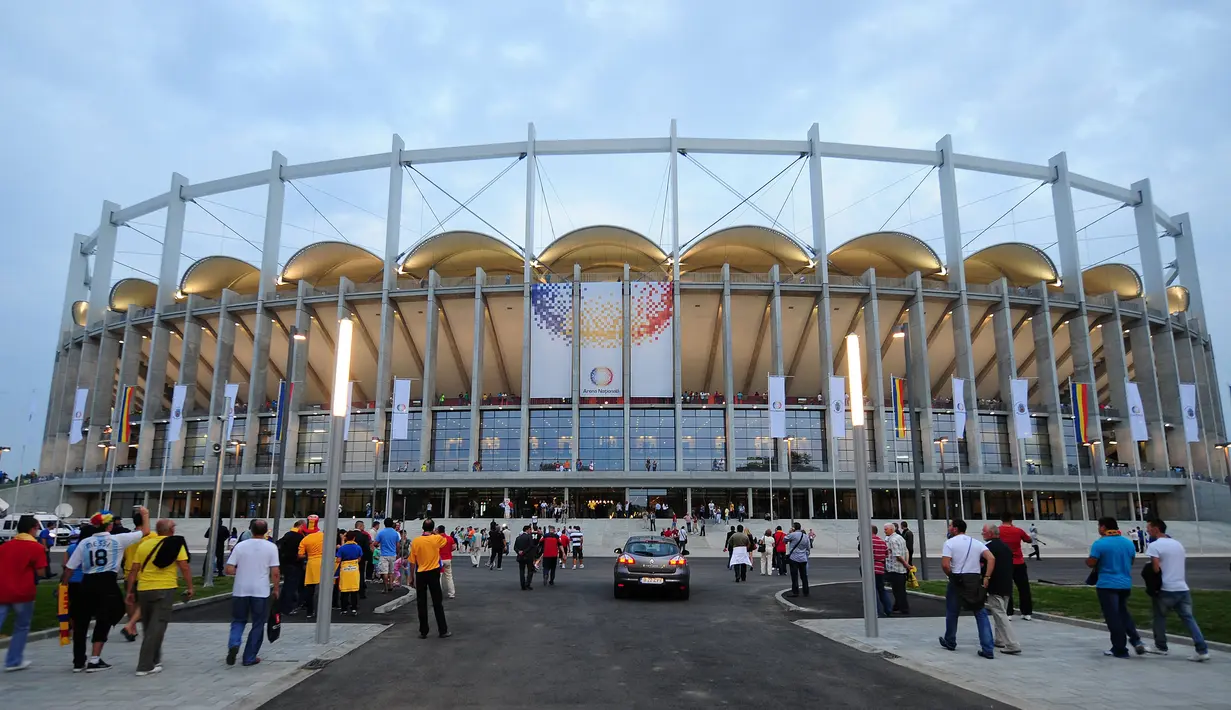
(602, 340)
(652, 315)
(551, 340)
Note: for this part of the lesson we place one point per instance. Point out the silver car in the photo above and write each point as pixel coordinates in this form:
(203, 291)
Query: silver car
(651, 562)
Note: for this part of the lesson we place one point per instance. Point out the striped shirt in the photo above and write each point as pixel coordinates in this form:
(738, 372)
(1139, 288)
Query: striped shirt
(102, 552)
(880, 550)
(575, 537)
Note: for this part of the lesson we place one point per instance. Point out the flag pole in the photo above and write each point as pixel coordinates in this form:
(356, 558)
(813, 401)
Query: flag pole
(961, 498)
(162, 482)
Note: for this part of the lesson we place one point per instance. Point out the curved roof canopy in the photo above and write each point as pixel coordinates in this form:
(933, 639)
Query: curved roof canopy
(1022, 264)
(458, 253)
(748, 249)
(80, 309)
(209, 276)
(132, 293)
(324, 263)
(603, 247)
(1177, 299)
(1121, 279)
(892, 254)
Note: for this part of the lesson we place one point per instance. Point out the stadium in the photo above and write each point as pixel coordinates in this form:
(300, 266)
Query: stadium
(601, 367)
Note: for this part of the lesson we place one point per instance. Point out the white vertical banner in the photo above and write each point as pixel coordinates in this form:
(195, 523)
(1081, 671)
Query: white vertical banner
(230, 392)
(837, 407)
(777, 406)
(1019, 390)
(177, 412)
(1136, 413)
(653, 346)
(1188, 405)
(602, 340)
(74, 429)
(551, 340)
(959, 407)
(350, 405)
(400, 422)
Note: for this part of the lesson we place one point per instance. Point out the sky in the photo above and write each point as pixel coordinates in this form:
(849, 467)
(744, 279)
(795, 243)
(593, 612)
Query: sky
(103, 101)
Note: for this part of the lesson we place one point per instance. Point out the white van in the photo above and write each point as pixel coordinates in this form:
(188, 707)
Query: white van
(62, 532)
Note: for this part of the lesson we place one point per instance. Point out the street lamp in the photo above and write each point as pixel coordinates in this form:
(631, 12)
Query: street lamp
(239, 445)
(1098, 494)
(333, 487)
(790, 480)
(863, 494)
(296, 337)
(376, 442)
(102, 481)
(902, 332)
(944, 480)
(1226, 453)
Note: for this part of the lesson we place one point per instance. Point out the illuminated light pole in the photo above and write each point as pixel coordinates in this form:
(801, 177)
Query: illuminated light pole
(944, 480)
(292, 343)
(376, 442)
(790, 478)
(902, 332)
(333, 487)
(863, 494)
(239, 445)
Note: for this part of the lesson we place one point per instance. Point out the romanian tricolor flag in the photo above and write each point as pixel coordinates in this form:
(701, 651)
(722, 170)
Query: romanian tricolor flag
(126, 401)
(898, 391)
(1083, 403)
(66, 636)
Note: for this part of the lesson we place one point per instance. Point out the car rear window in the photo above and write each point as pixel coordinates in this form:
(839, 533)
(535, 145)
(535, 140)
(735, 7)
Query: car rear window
(652, 549)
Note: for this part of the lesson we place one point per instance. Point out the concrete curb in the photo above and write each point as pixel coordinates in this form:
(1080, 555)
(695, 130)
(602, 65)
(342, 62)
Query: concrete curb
(398, 603)
(780, 597)
(1086, 623)
(306, 670)
(53, 633)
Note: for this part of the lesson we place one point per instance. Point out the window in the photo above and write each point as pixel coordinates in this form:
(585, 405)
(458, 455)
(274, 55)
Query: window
(313, 443)
(1038, 447)
(1077, 455)
(451, 441)
(807, 431)
(754, 450)
(160, 446)
(195, 437)
(601, 439)
(943, 425)
(265, 443)
(404, 453)
(994, 443)
(551, 438)
(500, 440)
(705, 440)
(360, 452)
(651, 437)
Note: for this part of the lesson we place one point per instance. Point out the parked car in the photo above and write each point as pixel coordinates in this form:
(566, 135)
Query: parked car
(651, 562)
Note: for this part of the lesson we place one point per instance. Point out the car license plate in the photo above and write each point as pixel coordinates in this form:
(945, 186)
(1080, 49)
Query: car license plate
(651, 580)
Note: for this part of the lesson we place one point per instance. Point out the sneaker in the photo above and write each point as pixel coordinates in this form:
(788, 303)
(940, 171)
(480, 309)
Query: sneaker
(986, 654)
(1196, 658)
(232, 652)
(1140, 649)
(945, 645)
(1156, 650)
(77, 668)
(446, 634)
(1111, 653)
(1012, 652)
(1026, 617)
(96, 666)
(583, 566)
(253, 662)
(26, 664)
(155, 669)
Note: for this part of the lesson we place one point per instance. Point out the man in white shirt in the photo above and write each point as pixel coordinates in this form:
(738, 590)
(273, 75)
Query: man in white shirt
(1167, 557)
(254, 564)
(961, 560)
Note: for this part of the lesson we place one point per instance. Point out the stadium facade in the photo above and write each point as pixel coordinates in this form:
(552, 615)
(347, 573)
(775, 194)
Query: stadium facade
(602, 368)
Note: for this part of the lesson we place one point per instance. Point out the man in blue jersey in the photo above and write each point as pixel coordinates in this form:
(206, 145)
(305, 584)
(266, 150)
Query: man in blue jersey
(388, 538)
(1111, 557)
(99, 557)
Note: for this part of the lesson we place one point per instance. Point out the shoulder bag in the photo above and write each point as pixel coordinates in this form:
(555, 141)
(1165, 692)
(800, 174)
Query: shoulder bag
(971, 592)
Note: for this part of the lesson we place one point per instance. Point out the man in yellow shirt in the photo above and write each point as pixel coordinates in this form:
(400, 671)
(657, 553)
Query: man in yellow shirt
(160, 558)
(425, 561)
(311, 548)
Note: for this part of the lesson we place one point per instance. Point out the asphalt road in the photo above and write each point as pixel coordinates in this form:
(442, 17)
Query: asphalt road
(574, 645)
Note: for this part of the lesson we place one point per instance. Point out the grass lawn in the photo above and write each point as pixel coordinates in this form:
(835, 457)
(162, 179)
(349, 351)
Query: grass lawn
(1211, 607)
(45, 601)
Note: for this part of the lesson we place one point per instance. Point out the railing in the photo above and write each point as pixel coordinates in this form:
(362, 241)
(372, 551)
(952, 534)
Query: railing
(602, 276)
(844, 280)
(750, 279)
(499, 400)
(175, 308)
(368, 287)
(455, 282)
(983, 288)
(650, 276)
(890, 282)
(704, 277)
(408, 284)
(1102, 299)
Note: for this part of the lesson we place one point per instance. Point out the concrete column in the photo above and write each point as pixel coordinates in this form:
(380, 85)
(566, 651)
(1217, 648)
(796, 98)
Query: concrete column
(811, 506)
(728, 373)
(1049, 386)
(576, 383)
(688, 499)
(55, 436)
(528, 273)
(224, 355)
(393, 234)
(750, 513)
(920, 386)
(627, 357)
(874, 376)
(1167, 372)
(1006, 369)
(476, 366)
(1083, 371)
(775, 355)
(98, 356)
(1141, 346)
(1190, 276)
(1215, 388)
(1036, 504)
(1207, 401)
(1202, 452)
(130, 364)
(430, 346)
(982, 504)
(445, 512)
(677, 322)
(104, 260)
(1117, 381)
(57, 455)
(297, 375)
(1152, 277)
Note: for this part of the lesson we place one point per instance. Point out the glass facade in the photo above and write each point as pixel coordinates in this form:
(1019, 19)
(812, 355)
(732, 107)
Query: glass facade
(160, 446)
(500, 440)
(451, 441)
(195, 435)
(705, 440)
(1074, 451)
(807, 430)
(360, 450)
(955, 449)
(754, 450)
(846, 444)
(264, 456)
(404, 453)
(313, 444)
(994, 443)
(601, 439)
(651, 439)
(551, 438)
(1038, 447)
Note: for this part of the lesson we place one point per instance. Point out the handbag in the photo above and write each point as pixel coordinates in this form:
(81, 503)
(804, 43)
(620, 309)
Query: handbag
(273, 626)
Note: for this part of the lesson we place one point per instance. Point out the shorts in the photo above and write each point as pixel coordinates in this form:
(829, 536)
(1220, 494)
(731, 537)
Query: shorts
(577, 553)
(385, 565)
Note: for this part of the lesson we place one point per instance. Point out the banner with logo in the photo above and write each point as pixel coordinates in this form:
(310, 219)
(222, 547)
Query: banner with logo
(1136, 413)
(74, 429)
(837, 407)
(551, 340)
(959, 406)
(400, 422)
(177, 412)
(652, 314)
(350, 405)
(230, 394)
(602, 340)
(1188, 406)
(777, 406)
(1019, 391)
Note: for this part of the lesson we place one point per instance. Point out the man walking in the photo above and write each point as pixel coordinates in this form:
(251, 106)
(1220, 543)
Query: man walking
(388, 539)
(896, 567)
(908, 536)
(798, 548)
(100, 557)
(1013, 537)
(780, 551)
(525, 548)
(160, 558)
(999, 587)
(310, 550)
(496, 543)
(1167, 557)
(1034, 543)
(960, 560)
(576, 539)
(446, 562)
(255, 565)
(290, 568)
(1111, 556)
(425, 561)
(364, 541)
(21, 560)
(738, 545)
(551, 553)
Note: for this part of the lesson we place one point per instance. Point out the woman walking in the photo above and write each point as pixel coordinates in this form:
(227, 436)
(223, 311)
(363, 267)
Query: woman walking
(765, 546)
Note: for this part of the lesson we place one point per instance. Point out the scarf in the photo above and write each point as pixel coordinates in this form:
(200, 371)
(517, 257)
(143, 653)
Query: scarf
(27, 536)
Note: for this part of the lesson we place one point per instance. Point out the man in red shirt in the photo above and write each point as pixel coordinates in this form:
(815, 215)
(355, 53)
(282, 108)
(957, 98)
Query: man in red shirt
(1013, 537)
(880, 552)
(551, 554)
(21, 561)
(780, 550)
(446, 562)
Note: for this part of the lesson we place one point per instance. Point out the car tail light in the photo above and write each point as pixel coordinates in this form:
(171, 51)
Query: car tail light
(626, 560)
(678, 561)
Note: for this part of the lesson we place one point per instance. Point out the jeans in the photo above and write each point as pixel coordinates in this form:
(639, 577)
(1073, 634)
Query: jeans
(953, 608)
(883, 598)
(243, 609)
(1021, 579)
(901, 602)
(155, 605)
(1119, 622)
(799, 570)
(1182, 603)
(23, 612)
(429, 583)
(549, 570)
